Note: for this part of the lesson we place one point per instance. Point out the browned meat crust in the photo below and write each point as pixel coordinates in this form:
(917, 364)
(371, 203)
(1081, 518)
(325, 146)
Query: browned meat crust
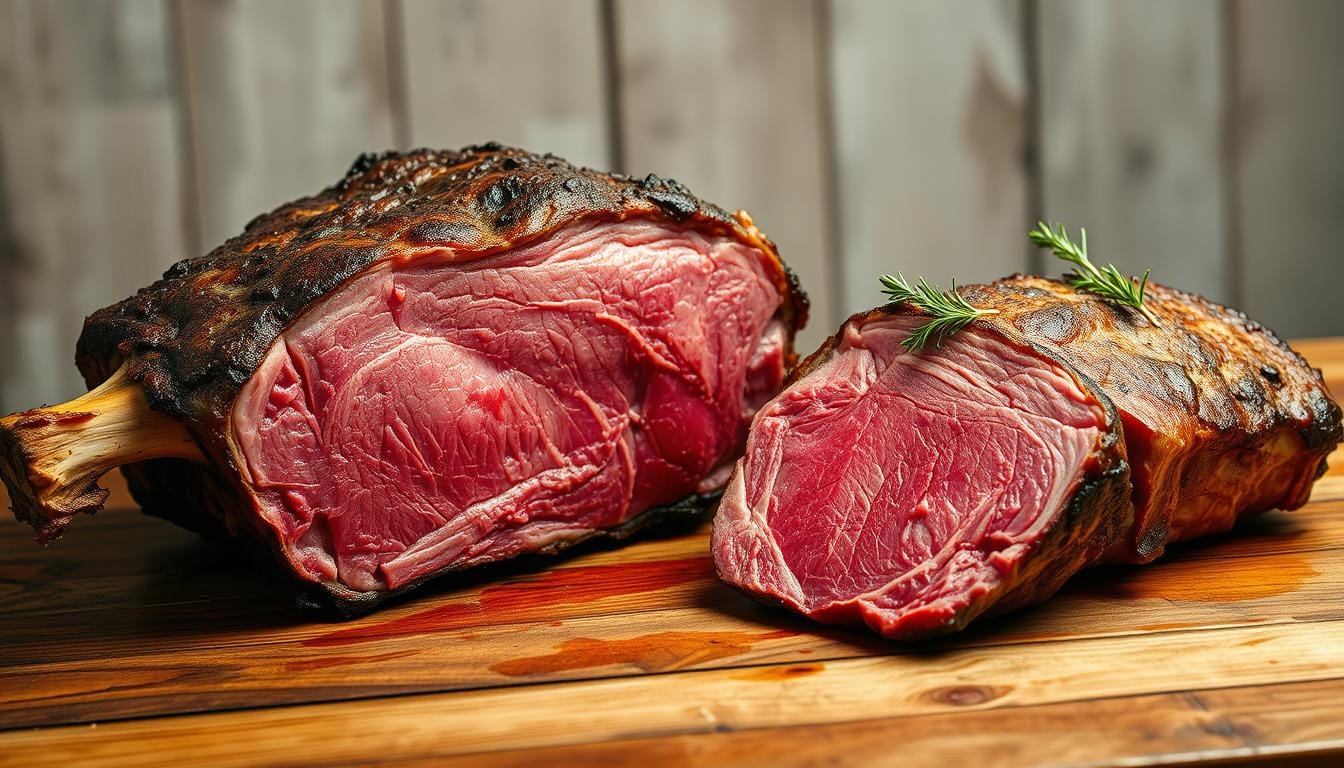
(193, 338)
(1222, 418)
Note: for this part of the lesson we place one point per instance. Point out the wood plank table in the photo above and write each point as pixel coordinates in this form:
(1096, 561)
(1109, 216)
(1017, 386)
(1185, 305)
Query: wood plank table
(130, 642)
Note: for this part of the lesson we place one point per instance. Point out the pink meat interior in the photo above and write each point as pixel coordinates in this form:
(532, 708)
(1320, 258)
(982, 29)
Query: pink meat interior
(885, 482)
(438, 412)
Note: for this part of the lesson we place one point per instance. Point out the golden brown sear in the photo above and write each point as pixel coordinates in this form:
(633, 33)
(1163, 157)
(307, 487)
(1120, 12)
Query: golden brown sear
(1221, 418)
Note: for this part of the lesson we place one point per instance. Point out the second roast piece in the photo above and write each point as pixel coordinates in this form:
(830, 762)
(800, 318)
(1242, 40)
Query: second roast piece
(914, 491)
(446, 359)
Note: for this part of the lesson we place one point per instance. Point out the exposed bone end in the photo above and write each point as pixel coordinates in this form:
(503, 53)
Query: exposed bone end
(51, 458)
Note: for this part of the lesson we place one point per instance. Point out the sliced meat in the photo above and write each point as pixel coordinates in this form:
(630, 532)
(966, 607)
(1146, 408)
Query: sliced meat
(445, 359)
(444, 414)
(913, 492)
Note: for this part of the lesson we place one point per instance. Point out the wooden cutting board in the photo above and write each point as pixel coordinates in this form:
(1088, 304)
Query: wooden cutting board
(131, 642)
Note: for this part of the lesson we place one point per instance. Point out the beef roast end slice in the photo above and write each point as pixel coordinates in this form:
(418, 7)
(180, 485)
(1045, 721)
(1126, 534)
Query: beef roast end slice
(914, 491)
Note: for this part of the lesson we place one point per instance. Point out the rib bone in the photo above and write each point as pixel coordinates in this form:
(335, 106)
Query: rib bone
(51, 458)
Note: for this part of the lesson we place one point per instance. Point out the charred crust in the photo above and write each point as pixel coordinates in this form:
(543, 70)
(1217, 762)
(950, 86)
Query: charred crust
(1325, 430)
(802, 305)
(195, 336)
(669, 195)
(1249, 380)
(1223, 382)
(189, 495)
(1107, 491)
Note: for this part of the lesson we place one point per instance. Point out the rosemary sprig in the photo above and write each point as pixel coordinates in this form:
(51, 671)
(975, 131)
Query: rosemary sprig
(950, 311)
(1107, 282)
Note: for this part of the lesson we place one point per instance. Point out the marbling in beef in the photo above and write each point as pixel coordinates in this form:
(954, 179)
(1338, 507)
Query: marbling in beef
(915, 491)
(446, 359)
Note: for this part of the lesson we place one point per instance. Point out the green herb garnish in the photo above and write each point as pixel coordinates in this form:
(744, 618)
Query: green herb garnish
(950, 311)
(1107, 282)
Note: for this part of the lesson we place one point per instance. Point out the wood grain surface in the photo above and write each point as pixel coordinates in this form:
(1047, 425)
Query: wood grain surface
(1131, 98)
(930, 108)
(130, 642)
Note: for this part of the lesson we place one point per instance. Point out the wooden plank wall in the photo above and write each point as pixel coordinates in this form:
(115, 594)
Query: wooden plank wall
(278, 98)
(1198, 138)
(1131, 101)
(91, 178)
(1288, 136)
(931, 111)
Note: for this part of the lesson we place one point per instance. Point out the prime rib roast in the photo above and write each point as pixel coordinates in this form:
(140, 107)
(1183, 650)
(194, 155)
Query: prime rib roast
(452, 358)
(914, 491)
(445, 359)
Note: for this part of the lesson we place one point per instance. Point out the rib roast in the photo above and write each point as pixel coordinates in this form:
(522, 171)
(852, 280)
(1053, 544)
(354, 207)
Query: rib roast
(914, 491)
(445, 359)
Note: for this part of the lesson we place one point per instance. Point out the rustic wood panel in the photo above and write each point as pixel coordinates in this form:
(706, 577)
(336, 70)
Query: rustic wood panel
(728, 97)
(88, 606)
(930, 103)
(514, 71)
(281, 97)
(81, 575)
(1131, 100)
(929, 124)
(89, 182)
(1289, 162)
(484, 638)
(707, 701)
(1216, 725)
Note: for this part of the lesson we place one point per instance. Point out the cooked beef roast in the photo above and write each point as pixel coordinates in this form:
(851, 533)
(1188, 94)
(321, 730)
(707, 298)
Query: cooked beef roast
(444, 360)
(915, 491)
(1222, 419)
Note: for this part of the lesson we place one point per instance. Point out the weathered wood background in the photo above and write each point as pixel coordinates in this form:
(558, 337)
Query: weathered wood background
(1204, 139)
